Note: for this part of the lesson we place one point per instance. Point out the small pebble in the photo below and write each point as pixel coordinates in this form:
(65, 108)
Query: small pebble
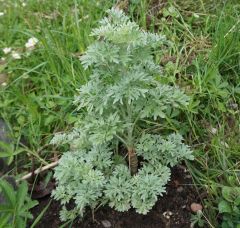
(106, 223)
(167, 214)
(196, 207)
(180, 189)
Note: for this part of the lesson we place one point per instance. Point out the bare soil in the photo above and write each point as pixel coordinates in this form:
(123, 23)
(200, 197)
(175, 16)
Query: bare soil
(171, 211)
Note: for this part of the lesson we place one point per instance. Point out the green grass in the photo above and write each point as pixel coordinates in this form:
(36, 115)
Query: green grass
(37, 100)
(203, 59)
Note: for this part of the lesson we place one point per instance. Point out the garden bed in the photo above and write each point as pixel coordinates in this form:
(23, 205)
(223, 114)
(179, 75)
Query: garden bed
(171, 210)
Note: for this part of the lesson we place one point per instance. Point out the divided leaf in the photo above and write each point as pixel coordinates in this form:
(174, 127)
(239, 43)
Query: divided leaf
(123, 90)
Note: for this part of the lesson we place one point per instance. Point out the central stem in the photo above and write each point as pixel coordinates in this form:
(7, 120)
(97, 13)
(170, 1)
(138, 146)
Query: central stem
(132, 156)
(132, 160)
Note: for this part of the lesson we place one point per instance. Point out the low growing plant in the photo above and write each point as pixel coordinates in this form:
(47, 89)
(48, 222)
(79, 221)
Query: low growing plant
(15, 205)
(229, 207)
(197, 219)
(125, 91)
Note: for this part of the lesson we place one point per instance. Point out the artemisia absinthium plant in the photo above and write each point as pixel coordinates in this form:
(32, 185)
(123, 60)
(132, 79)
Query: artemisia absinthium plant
(122, 93)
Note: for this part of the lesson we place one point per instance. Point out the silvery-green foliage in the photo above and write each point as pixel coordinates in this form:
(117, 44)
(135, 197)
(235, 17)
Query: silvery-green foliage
(68, 214)
(78, 178)
(59, 138)
(75, 138)
(169, 150)
(102, 129)
(140, 191)
(147, 185)
(123, 90)
(119, 189)
(100, 156)
(161, 98)
(118, 29)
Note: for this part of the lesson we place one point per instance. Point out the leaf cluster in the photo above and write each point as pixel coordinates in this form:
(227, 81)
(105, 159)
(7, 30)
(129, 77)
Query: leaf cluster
(229, 206)
(16, 205)
(123, 89)
(164, 150)
(87, 179)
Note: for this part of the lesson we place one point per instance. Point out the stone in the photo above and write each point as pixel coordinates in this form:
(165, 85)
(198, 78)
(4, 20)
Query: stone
(180, 189)
(167, 214)
(106, 223)
(195, 207)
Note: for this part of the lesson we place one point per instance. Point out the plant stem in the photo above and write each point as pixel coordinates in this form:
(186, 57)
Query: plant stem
(132, 157)
(133, 160)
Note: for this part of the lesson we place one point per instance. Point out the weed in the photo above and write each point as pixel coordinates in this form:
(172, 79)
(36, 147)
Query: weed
(15, 205)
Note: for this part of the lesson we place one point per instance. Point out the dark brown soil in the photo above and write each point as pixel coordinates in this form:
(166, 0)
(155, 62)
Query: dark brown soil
(175, 203)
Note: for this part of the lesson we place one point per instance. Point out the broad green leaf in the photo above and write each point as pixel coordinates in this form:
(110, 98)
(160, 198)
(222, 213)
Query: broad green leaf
(21, 194)
(4, 219)
(224, 207)
(20, 222)
(237, 201)
(8, 192)
(6, 208)
(30, 204)
(227, 193)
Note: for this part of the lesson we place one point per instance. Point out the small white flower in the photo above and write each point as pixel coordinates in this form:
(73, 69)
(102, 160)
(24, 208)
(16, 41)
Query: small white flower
(86, 17)
(24, 4)
(1, 14)
(213, 130)
(3, 59)
(31, 42)
(4, 84)
(16, 55)
(7, 50)
(195, 15)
